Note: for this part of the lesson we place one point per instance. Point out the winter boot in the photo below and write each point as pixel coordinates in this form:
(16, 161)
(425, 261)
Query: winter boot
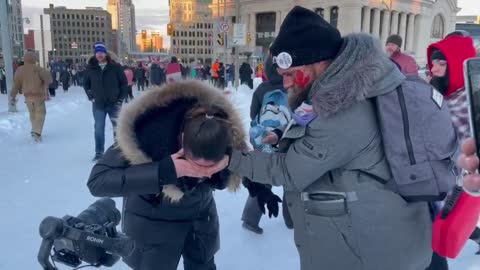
(252, 228)
(97, 157)
(36, 137)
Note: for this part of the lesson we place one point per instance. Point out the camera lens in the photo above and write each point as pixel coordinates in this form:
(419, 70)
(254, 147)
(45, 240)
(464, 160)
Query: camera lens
(101, 212)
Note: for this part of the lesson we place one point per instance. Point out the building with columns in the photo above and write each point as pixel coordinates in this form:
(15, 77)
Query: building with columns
(419, 22)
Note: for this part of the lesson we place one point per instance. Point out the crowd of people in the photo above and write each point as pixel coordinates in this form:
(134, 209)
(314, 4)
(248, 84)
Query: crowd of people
(317, 129)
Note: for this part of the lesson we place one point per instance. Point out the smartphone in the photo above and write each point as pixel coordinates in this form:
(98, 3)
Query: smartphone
(471, 72)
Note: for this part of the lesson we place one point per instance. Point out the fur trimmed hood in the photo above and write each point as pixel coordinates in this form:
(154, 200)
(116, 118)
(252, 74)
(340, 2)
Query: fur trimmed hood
(361, 70)
(127, 139)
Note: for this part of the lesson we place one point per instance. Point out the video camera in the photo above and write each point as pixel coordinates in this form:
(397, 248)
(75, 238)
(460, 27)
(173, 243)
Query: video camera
(91, 237)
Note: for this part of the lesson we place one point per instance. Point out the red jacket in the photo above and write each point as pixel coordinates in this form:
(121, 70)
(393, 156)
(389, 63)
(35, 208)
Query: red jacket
(407, 63)
(456, 50)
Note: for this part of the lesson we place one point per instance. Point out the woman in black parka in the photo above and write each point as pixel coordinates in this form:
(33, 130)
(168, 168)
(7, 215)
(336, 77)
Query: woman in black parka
(171, 153)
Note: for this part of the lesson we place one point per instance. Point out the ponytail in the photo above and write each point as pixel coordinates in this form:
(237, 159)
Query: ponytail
(207, 133)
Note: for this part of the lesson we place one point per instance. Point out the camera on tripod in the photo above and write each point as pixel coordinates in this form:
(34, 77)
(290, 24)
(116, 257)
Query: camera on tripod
(91, 237)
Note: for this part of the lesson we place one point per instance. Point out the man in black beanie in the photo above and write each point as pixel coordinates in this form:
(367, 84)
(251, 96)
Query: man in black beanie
(332, 162)
(407, 63)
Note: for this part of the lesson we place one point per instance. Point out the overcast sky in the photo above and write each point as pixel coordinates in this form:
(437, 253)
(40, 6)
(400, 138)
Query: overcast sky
(153, 14)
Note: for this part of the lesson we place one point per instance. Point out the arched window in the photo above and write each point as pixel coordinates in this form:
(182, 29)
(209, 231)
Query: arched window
(438, 26)
(334, 16)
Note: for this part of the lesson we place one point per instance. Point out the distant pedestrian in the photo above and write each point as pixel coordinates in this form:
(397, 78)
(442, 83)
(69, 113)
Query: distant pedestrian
(65, 79)
(221, 76)
(174, 71)
(106, 87)
(32, 81)
(3, 81)
(407, 64)
(129, 74)
(140, 77)
(246, 75)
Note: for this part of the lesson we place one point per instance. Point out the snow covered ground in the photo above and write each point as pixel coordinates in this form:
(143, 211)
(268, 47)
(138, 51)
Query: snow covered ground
(49, 179)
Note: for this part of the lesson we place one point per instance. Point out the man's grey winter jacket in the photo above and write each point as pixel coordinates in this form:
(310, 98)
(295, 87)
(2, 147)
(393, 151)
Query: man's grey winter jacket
(344, 217)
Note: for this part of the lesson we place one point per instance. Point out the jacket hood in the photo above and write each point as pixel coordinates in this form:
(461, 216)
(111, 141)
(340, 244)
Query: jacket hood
(360, 71)
(93, 62)
(456, 50)
(271, 72)
(128, 141)
(30, 58)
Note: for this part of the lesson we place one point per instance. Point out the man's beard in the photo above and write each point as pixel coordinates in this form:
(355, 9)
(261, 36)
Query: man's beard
(296, 96)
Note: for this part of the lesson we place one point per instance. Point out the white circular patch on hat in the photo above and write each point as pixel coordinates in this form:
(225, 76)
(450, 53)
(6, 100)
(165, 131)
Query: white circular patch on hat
(283, 60)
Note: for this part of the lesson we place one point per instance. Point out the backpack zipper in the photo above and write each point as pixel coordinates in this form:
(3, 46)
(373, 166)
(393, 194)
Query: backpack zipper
(406, 126)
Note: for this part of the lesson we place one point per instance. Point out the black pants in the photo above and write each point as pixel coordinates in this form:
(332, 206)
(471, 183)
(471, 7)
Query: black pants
(476, 235)
(51, 90)
(3, 86)
(65, 86)
(438, 263)
(141, 84)
(130, 93)
(75, 80)
(151, 257)
(248, 82)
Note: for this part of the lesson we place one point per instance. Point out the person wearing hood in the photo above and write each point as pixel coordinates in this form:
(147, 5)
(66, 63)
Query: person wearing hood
(445, 61)
(171, 153)
(106, 87)
(261, 194)
(332, 162)
(246, 74)
(33, 82)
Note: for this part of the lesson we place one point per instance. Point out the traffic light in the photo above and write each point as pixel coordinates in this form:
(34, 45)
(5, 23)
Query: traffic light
(249, 37)
(169, 29)
(220, 40)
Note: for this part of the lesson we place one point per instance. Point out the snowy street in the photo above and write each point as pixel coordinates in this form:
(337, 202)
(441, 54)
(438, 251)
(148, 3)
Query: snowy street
(49, 179)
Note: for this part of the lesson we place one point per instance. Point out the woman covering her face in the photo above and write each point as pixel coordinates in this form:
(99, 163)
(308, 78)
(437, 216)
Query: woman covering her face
(172, 151)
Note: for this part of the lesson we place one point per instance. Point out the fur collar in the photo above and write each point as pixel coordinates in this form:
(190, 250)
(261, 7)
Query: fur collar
(162, 97)
(361, 70)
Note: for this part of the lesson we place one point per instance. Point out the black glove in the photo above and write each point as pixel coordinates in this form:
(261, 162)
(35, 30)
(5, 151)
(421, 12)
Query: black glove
(267, 197)
(219, 180)
(253, 188)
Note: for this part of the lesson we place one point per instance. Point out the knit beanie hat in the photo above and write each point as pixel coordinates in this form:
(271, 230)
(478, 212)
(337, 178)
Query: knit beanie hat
(304, 38)
(100, 47)
(437, 55)
(395, 39)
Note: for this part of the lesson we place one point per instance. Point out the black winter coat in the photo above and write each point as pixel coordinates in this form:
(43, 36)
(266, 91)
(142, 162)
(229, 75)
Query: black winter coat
(106, 87)
(139, 74)
(245, 72)
(141, 170)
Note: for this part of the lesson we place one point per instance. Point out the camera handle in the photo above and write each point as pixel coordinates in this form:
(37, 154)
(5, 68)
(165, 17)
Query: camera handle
(50, 229)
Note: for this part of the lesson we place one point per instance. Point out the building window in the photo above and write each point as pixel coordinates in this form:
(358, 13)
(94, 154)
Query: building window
(63, 16)
(334, 16)
(438, 26)
(319, 11)
(264, 28)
